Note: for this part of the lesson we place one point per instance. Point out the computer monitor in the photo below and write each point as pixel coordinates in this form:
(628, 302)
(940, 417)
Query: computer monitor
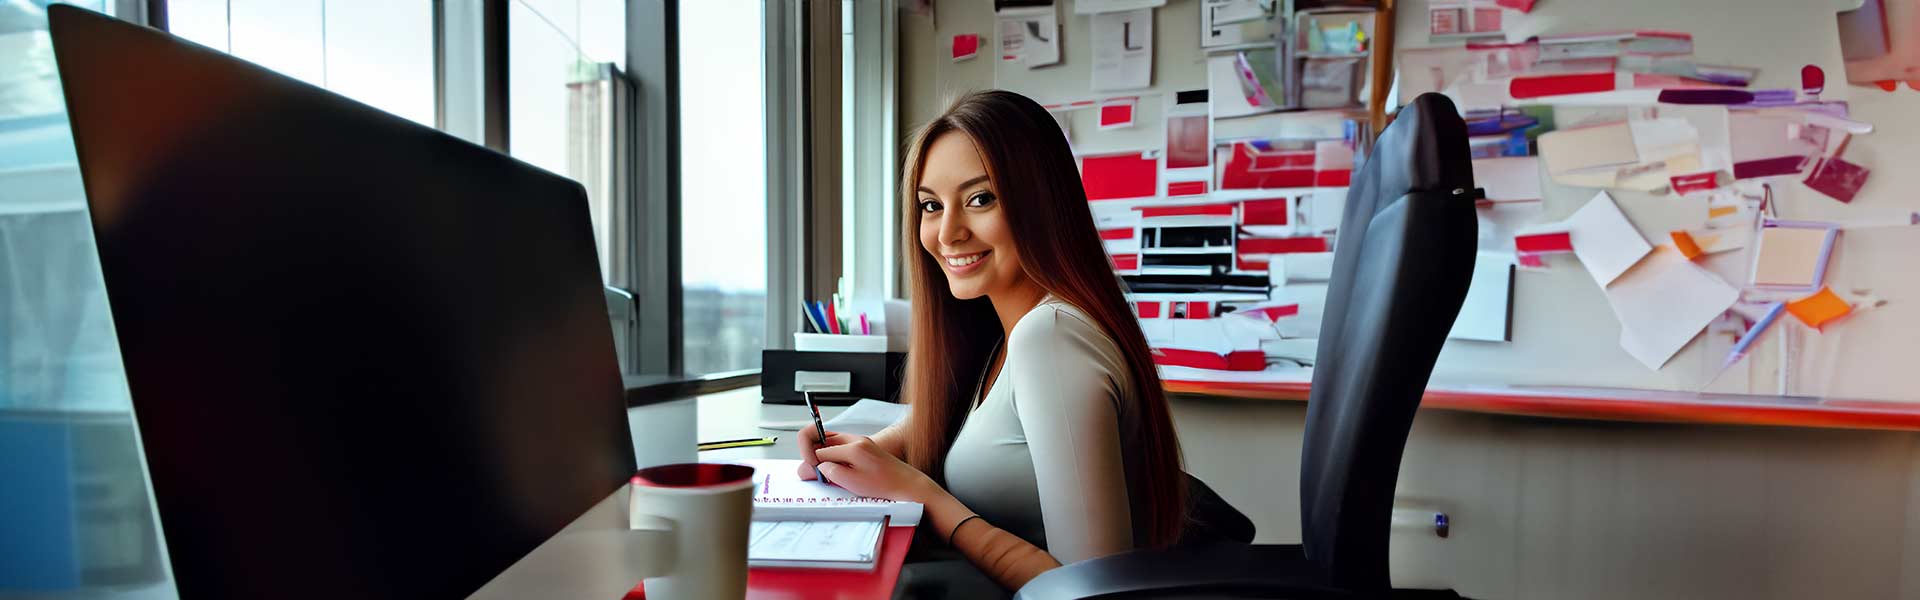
(367, 359)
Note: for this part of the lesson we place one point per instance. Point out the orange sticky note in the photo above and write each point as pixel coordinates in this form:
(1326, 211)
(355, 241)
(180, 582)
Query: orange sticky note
(1683, 242)
(1721, 211)
(1819, 309)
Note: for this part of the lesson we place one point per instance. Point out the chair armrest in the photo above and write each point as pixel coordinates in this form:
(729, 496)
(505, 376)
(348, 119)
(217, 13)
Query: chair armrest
(1226, 569)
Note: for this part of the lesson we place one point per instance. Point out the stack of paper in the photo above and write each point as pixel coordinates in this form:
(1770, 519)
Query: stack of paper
(851, 545)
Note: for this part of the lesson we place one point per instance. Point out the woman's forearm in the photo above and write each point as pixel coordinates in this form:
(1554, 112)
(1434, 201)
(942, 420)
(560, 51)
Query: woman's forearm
(1005, 557)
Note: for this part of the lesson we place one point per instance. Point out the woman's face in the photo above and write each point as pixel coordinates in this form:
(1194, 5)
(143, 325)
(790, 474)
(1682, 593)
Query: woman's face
(961, 221)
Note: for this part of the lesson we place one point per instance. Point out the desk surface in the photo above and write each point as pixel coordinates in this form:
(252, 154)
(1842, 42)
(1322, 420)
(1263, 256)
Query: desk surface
(1616, 404)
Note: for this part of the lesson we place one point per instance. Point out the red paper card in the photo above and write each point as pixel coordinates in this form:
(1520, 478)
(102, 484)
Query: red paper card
(965, 46)
(1282, 245)
(1544, 242)
(1115, 176)
(1114, 115)
(1264, 212)
(1838, 179)
(1214, 210)
(1537, 86)
(1186, 188)
(1146, 310)
(1116, 234)
(1694, 182)
(1126, 262)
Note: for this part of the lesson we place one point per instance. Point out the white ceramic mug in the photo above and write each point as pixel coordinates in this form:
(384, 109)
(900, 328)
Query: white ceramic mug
(704, 512)
(682, 528)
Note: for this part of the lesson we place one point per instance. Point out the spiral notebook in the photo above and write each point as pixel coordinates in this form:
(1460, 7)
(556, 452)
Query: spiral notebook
(849, 545)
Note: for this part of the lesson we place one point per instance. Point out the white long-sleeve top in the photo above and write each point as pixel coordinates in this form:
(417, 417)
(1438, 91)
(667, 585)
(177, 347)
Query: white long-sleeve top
(1041, 455)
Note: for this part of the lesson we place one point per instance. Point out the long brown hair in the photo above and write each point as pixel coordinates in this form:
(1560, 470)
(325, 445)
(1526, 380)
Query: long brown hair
(1033, 171)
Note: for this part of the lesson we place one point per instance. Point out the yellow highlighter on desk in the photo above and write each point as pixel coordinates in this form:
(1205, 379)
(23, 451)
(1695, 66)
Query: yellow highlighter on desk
(827, 382)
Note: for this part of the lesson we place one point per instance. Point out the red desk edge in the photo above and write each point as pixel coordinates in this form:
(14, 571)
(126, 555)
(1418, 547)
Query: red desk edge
(827, 584)
(1618, 405)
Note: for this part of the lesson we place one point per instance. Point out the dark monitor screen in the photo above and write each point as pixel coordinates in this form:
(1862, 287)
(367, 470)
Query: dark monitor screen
(367, 359)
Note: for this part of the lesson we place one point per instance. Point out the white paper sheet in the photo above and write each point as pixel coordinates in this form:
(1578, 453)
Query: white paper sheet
(867, 417)
(1122, 49)
(1484, 315)
(1606, 243)
(814, 541)
(1090, 7)
(1508, 178)
(1663, 302)
(1032, 39)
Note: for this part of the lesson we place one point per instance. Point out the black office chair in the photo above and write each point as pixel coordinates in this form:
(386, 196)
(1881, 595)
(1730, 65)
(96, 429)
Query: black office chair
(1400, 272)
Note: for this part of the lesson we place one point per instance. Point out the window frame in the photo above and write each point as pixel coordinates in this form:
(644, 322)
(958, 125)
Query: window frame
(800, 50)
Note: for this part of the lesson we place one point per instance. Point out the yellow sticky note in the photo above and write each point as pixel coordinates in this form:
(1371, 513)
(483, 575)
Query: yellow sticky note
(1819, 309)
(1683, 242)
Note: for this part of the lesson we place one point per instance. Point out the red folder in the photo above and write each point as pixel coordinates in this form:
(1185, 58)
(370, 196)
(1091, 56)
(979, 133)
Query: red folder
(827, 584)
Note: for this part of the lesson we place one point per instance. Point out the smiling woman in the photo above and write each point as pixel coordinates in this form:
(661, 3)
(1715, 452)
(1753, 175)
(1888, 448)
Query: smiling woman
(1038, 433)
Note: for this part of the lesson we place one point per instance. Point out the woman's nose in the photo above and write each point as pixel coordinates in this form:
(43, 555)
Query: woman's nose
(953, 228)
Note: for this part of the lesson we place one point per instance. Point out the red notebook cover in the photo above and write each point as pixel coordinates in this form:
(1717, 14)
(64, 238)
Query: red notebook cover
(827, 584)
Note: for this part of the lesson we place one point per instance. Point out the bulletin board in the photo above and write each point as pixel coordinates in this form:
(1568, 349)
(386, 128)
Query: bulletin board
(1563, 331)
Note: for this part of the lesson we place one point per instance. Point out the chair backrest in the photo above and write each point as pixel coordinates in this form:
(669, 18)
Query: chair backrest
(1400, 273)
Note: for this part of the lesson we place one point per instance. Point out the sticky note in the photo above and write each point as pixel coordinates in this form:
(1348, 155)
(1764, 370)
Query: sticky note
(1683, 242)
(1606, 243)
(1792, 256)
(1819, 309)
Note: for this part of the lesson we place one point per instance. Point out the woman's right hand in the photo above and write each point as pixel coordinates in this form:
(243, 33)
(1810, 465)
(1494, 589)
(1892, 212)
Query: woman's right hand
(810, 441)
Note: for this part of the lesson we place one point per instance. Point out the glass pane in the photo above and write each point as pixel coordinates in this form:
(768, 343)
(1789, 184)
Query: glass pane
(376, 51)
(381, 52)
(76, 518)
(559, 115)
(723, 186)
(603, 31)
(283, 35)
(203, 21)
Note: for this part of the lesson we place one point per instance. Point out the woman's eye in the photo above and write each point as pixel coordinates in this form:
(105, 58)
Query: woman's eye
(929, 206)
(980, 200)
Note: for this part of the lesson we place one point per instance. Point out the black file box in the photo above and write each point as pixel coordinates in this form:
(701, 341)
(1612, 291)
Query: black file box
(874, 375)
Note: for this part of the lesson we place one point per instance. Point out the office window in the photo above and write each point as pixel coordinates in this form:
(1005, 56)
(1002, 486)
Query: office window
(723, 186)
(78, 522)
(376, 51)
(560, 101)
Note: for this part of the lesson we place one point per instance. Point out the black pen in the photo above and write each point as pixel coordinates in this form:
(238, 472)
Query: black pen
(820, 431)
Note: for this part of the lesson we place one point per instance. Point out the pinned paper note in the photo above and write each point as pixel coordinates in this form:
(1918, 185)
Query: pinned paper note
(1837, 178)
(1683, 242)
(1588, 149)
(1122, 49)
(1508, 179)
(1604, 240)
(1486, 314)
(1820, 308)
(1116, 114)
(966, 46)
(1793, 255)
(1663, 302)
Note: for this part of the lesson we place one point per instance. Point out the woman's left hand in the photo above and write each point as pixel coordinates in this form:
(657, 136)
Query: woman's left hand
(858, 464)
